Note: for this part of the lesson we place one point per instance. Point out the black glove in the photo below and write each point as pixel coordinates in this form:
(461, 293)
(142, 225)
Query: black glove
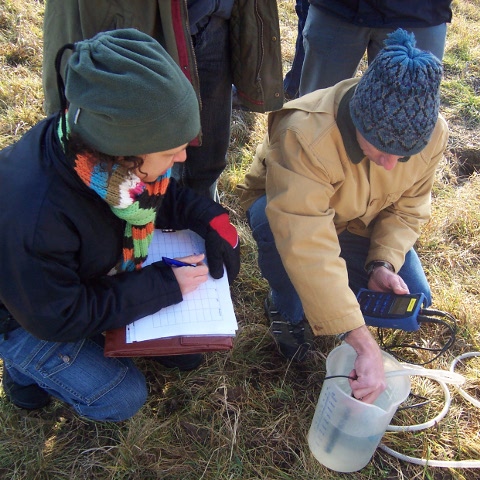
(222, 246)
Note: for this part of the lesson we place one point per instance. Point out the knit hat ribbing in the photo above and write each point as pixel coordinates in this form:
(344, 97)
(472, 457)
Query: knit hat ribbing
(127, 96)
(396, 102)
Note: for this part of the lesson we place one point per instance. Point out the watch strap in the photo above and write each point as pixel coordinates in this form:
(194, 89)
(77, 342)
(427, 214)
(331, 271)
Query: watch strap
(371, 266)
(343, 336)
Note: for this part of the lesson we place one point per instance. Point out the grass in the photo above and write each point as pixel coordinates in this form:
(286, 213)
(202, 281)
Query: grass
(245, 414)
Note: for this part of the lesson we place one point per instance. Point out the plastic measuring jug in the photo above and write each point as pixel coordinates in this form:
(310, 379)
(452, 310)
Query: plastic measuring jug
(345, 432)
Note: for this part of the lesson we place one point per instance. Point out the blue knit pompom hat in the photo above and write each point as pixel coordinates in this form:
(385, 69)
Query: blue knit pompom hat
(396, 102)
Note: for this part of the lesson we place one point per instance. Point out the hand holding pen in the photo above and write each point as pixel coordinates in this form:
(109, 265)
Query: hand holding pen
(188, 279)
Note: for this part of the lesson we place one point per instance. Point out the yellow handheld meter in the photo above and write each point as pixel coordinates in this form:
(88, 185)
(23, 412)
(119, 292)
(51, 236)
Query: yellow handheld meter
(389, 310)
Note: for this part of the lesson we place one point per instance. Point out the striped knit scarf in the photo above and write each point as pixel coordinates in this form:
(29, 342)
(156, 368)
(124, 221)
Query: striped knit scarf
(130, 199)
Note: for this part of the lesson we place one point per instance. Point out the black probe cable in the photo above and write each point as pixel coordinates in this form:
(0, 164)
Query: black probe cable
(425, 316)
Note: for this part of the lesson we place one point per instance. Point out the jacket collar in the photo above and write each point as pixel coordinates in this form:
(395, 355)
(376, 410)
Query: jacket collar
(347, 128)
(54, 154)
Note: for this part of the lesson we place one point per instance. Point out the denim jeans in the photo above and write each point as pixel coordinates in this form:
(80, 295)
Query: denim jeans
(204, 164)
(354, 250)
(334, 47)
(98, 388)
(291, 82)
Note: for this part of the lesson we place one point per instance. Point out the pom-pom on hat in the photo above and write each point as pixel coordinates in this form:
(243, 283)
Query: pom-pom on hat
(395, 105)
(127, 96)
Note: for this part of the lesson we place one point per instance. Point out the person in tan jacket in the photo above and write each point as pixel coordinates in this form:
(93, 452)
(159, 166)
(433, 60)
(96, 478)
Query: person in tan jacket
(336, 198)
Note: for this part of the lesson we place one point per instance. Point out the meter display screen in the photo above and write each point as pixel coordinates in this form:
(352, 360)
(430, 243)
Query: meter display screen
(403, 305)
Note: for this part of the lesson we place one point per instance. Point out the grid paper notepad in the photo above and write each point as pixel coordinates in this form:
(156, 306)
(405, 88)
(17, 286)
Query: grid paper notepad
(206, 311)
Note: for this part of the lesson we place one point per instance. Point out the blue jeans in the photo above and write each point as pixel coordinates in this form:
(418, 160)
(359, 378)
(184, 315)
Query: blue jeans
(334, 47)
(98, 388)
(354, 250)
(204, 164)
(291, 82)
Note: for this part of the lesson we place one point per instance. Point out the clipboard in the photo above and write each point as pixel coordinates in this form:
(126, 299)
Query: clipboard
(116, 346)
(195, 325)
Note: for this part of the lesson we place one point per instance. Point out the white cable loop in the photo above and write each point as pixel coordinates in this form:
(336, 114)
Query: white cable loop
(462, 392)
(430, 423)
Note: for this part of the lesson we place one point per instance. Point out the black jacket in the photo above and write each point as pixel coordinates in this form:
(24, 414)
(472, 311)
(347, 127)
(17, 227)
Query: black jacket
(59, 240)
(389, 13)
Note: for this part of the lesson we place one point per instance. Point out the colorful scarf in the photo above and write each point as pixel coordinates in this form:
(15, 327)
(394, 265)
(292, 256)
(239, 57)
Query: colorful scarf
(131, 200)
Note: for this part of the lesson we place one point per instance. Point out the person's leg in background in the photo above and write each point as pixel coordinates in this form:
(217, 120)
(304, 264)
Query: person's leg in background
(97, 387)
(204, 164)
(333, 50)
(431, 39)
(291, 82)
(334, 47)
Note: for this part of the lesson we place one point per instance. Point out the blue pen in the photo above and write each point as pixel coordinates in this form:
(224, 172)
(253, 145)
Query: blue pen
(172, 262)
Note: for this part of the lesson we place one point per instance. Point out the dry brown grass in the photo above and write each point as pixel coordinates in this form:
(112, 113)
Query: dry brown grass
(245, 414)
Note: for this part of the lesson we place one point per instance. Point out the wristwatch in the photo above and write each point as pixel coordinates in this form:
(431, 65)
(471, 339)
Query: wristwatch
(371, 266)
(343, 336)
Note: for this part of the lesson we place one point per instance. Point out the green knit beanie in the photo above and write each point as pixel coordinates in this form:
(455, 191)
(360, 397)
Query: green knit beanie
(127, 96)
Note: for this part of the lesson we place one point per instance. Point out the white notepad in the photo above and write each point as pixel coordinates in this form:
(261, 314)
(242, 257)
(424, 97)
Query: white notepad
(206, 311)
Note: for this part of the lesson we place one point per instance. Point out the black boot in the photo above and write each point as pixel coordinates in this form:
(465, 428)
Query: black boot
(182, 362)
(30, 397)
(293, 341)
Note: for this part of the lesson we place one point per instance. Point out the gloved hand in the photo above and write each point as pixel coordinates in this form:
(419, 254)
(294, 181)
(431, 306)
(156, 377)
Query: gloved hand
(222, 246)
